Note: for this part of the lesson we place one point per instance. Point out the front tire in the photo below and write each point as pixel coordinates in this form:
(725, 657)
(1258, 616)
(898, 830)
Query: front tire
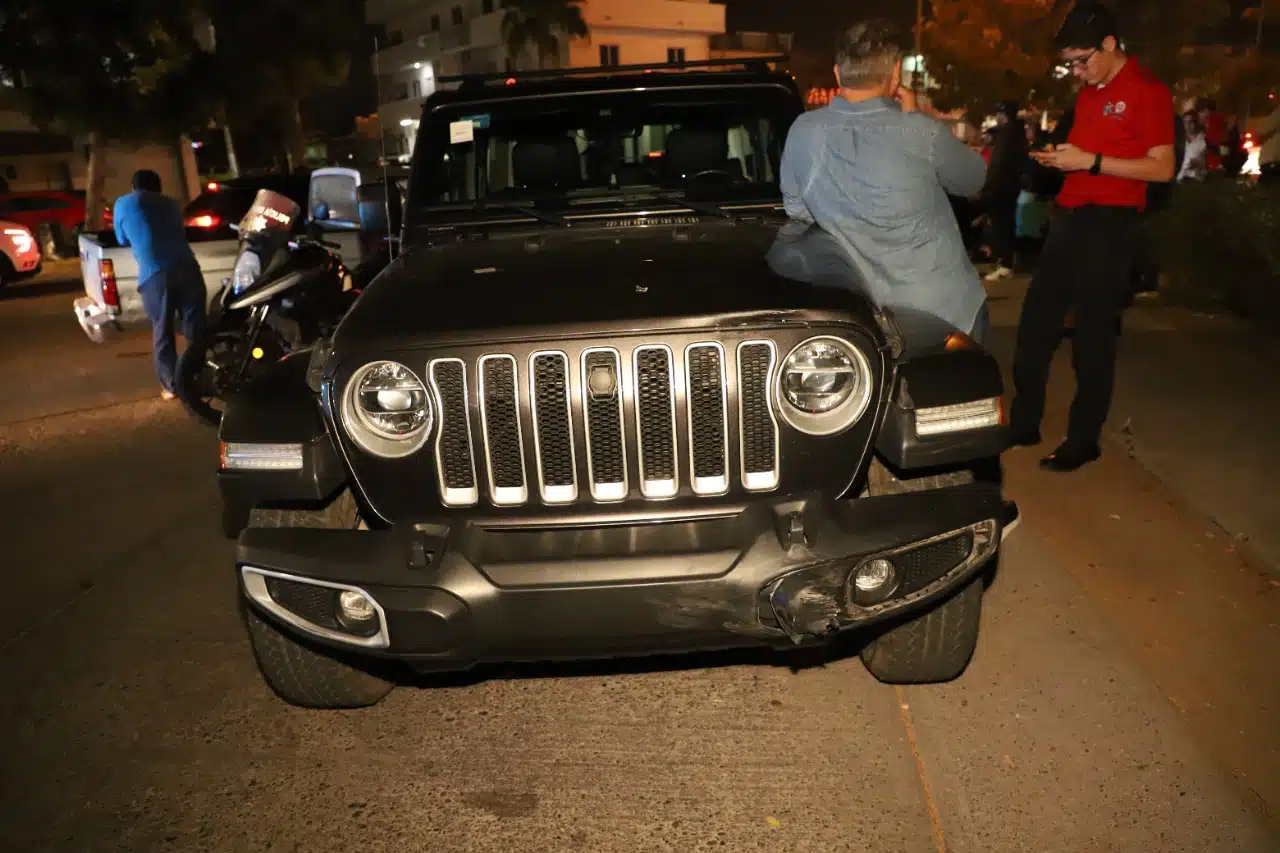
(933, 647)
(300, 672)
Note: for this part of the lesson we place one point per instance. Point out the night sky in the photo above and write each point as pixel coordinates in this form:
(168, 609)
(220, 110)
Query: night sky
(815, 22)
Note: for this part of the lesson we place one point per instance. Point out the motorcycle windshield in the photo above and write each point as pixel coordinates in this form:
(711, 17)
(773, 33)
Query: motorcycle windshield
(270, 215)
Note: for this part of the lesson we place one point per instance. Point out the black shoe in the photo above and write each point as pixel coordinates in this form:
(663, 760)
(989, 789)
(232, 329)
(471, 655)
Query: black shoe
(1066, 459)
(1024, 438)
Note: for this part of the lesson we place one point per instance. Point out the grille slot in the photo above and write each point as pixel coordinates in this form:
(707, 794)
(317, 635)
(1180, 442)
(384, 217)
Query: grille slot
(924, 564)
(602, 408)
(504, 440)
(455, 459)
(758, 429)
(552, 427)
(656, 421)
(536, 414)
(708, 418)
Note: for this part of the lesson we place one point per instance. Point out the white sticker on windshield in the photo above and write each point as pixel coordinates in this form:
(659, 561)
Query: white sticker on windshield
(462, 131)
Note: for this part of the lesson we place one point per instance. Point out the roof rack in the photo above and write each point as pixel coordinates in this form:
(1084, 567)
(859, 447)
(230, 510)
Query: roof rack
(754, 63)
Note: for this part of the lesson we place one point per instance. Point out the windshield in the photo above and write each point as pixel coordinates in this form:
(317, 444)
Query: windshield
(715, 143)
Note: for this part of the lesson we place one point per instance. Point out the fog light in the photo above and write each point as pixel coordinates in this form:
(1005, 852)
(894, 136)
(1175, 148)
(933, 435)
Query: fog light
(873, 576)
(356, 608)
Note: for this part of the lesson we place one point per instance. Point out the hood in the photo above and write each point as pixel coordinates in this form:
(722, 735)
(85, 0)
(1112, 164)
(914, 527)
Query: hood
(609, 280)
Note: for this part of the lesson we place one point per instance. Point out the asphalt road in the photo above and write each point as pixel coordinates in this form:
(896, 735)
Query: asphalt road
(132, 717)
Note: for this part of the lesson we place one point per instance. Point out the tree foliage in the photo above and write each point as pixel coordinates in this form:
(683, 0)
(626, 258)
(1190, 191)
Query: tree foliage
(119, 69)
(272, 54)
(981, 51)
(137, 70)
(542, 25)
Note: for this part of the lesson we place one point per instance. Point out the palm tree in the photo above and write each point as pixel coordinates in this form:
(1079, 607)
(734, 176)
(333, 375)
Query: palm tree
(541, 24)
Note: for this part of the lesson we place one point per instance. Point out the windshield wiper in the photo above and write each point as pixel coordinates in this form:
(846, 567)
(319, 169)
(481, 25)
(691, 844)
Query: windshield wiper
(678, 197)
(527, 210)
(514, 207)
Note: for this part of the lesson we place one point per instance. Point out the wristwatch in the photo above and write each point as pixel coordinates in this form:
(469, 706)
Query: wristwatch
(1096, 168)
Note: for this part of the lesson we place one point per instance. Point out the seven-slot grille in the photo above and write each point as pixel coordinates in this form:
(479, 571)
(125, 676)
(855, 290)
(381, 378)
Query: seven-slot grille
(622, 399)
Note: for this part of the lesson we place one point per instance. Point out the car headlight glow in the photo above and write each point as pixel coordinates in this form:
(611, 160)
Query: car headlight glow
(824, 385)
(246, 271)
(386, 409)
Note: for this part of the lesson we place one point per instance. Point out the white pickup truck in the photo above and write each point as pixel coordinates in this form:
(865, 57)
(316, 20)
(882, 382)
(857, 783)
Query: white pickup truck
(112, 299)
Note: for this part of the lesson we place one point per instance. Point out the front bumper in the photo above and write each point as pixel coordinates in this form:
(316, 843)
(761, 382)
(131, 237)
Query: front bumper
(94, 319)
(769, 574)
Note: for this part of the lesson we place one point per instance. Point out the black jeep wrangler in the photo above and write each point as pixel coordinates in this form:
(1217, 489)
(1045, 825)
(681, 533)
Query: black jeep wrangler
(606, 402)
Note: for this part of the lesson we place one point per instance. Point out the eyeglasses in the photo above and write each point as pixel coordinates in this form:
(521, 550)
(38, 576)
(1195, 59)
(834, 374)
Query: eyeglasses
(1080, 62)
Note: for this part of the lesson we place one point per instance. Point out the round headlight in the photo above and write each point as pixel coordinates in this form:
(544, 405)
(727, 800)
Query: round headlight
(386, 409)
(824, 385)
(246, 271)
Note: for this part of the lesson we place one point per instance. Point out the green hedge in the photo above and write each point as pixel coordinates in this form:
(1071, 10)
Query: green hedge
(1219, 247)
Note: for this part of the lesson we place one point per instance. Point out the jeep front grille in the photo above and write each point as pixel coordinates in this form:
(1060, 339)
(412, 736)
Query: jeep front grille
(538, 417)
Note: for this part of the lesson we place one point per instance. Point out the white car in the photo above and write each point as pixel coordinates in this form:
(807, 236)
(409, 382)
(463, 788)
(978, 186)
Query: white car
(19, 254)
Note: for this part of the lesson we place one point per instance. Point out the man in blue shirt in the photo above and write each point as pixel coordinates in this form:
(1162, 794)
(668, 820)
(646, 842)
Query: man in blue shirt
(875, 174)
(169, 278)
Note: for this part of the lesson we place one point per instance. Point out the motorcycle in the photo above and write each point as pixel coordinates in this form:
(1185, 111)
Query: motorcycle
(286, 290)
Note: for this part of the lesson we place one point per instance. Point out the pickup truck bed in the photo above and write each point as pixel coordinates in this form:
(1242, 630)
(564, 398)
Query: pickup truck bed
(105, 306)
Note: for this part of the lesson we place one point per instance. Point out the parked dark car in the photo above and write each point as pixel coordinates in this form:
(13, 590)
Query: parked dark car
(222, 204)
(608, 401)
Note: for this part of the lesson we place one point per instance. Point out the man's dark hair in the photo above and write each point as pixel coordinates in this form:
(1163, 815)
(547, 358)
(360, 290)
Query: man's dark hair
(1087, 26)
(1206, 104)
(868, 53)
(147, 180)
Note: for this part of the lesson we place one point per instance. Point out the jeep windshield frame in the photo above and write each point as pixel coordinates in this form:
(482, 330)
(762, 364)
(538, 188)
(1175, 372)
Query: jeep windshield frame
(583, 151)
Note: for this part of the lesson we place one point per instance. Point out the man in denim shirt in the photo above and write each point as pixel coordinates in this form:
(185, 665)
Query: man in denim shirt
(875, 174)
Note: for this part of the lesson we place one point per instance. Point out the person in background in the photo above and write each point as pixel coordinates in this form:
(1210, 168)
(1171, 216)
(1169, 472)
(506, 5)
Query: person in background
(1004, 183)
(875, 173)
(170, 281)
(1121, 140)
(1146, 267)
(1268, 136)
(1233, 159)
(1194, 166)
(1215, 133)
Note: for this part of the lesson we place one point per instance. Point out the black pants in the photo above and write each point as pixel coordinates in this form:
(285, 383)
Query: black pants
(1002, 229)
(1087, 265)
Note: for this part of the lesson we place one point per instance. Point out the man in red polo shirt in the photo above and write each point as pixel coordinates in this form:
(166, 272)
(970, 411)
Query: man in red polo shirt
(1121, 140)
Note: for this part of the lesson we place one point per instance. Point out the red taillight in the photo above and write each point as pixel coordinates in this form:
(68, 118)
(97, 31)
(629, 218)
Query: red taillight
(204, 221)
(212, 186)
(107, 274)
(511, 81)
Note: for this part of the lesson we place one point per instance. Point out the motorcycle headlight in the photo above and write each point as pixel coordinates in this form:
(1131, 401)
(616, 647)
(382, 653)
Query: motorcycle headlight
(246, 271)
(824, 386)
(386, 410)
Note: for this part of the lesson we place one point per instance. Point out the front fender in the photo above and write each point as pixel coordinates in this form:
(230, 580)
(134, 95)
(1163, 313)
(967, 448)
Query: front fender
(941, 378)
(277, 407)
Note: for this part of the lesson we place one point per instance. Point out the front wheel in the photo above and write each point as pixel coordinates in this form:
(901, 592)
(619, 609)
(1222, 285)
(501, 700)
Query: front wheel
(300, 672)
(933, 647)
(213, 370)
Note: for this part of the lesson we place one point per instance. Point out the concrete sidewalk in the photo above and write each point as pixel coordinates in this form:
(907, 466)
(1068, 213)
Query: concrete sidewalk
(1196, 403)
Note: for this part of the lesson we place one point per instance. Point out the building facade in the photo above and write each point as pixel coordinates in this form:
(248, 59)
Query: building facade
(428, 39)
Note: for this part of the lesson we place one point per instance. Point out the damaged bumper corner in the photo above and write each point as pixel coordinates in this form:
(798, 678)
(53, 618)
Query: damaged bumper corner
(815, 601)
